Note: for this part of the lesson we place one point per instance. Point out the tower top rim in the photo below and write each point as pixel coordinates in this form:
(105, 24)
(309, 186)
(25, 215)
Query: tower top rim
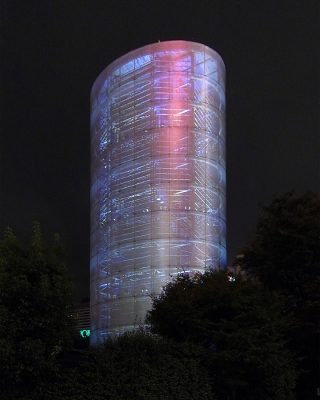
(151, 48)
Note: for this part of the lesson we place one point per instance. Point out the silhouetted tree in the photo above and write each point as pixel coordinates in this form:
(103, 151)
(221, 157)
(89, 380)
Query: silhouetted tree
(240, 326)
(35, 296)
(285, 256)
(135, 366)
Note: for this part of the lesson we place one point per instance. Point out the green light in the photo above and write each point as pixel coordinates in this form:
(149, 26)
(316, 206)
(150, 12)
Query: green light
(85, 333)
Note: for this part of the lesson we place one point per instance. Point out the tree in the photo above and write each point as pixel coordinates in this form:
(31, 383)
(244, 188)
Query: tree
(135, 366)
(34, 308)
(284, 256)
(239, 325)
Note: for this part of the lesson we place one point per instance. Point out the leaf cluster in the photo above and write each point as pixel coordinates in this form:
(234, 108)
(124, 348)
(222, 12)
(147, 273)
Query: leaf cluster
(240, 325)
(131, 367)
(35, 298)
(284, 256)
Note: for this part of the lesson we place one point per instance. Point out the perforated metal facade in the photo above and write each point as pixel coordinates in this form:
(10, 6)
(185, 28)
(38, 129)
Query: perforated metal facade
(158, 177)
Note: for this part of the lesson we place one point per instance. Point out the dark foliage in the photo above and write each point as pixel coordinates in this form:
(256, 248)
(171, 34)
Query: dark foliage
(36, 360)
(135, 366)
(239, 325)
(34, 307)
(285, 256)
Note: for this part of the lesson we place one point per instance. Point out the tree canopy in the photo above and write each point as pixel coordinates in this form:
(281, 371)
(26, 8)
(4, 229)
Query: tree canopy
(284, 256)
(285, 251)
(35, 295)
(135, 366)
(240, 325)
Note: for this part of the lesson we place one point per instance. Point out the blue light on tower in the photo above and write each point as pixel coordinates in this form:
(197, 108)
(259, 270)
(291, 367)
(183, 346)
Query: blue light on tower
(158, 177)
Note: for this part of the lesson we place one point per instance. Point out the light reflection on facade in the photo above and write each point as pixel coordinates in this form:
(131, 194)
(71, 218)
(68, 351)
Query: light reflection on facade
(158, 177)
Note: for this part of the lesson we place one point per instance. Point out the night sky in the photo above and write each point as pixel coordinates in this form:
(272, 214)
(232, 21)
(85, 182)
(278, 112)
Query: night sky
(51, 53)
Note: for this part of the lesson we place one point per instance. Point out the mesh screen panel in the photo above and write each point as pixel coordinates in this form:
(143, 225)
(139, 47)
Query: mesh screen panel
(157, 178)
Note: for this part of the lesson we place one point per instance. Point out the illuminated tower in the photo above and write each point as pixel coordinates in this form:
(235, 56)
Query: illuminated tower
(158, 177)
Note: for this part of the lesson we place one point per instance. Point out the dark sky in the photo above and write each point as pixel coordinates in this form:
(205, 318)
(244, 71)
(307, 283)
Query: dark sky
(51, 53)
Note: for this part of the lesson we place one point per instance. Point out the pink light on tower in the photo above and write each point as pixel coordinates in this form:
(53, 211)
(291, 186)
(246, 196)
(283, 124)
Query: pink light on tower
(158, 177)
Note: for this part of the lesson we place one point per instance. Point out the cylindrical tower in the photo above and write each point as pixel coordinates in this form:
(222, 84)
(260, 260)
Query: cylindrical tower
(157, 179)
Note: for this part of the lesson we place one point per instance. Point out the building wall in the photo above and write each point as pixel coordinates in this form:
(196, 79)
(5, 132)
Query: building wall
(158, 177)
(80, 318)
